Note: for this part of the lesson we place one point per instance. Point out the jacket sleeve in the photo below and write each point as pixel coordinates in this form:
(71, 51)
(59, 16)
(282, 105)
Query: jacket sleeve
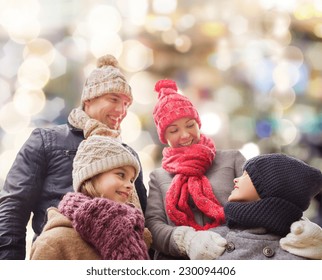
(44, 249)
(156, 220)
(20, 192)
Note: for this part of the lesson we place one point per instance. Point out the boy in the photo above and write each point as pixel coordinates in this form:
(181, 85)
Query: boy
(272, 194)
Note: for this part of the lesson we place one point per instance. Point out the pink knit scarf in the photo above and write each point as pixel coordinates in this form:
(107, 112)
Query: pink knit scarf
(189, 164)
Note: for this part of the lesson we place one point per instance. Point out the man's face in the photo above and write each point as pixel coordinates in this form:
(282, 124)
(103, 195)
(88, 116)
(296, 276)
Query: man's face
(110, 109)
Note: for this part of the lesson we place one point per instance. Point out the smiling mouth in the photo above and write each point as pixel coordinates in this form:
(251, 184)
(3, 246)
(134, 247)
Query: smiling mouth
(186, 143)
(124, 194)
(113, 120)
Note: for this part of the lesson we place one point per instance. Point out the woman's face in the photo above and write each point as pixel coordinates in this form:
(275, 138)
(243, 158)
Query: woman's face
(116, 184)
(244, 189)
(182, 132)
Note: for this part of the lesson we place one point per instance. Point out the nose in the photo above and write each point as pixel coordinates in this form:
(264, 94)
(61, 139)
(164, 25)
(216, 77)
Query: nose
(121, 108)
(235, 180)
(129, 185)
(184, 134)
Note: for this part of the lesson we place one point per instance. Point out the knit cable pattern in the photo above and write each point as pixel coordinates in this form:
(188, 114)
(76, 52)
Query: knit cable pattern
(189, 164)
(114, 229)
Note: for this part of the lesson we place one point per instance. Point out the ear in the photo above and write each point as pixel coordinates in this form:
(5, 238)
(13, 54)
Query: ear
(86, 105)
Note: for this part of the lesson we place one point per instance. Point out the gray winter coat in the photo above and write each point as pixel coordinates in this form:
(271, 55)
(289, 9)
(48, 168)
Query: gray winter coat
(226, 166)
(252, 244)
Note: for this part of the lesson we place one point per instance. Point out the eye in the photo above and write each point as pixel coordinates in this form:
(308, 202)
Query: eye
(191, 124)
(121, 174)
(112, 98)
(173, 130)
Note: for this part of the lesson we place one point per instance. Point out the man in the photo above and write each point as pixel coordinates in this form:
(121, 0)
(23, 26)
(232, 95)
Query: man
(42, 171)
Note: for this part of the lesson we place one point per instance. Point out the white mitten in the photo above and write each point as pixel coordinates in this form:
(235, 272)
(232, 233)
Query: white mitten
(199, 245)
(304, 239)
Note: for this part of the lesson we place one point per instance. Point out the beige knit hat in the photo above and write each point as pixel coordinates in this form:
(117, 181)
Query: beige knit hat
(106, 78)
(98, 154)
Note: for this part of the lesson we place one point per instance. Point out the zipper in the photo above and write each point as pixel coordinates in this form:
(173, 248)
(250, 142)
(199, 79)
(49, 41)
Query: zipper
(69, 152)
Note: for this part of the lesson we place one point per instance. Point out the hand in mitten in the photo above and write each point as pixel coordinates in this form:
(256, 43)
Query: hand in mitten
(304, 239)
(71, 202)
(199, 245)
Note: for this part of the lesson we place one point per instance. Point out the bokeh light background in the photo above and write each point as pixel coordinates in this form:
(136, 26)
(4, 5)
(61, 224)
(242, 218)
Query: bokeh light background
(251, 67)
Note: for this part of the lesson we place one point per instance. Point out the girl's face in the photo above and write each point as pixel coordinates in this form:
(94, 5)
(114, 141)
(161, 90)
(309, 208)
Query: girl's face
(244, 189)
(116, 184)
(182, 132)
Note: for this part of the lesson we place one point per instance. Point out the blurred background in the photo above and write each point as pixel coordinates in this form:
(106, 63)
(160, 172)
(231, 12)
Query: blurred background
(251, 67)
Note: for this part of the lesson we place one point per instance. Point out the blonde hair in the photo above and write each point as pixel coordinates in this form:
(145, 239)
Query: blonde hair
(88, 188)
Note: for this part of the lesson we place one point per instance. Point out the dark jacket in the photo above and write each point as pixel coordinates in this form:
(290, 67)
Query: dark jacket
(40, 176)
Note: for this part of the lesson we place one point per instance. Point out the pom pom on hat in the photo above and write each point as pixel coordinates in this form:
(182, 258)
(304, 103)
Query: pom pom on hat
(171, 106)
(106, 78)
(165, 87)
(107, 60)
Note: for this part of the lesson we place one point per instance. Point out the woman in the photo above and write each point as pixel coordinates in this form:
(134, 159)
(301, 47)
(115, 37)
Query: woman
(187, 194)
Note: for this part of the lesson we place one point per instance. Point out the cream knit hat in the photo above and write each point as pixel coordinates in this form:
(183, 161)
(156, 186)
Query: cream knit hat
(106, 78)
(98, 154)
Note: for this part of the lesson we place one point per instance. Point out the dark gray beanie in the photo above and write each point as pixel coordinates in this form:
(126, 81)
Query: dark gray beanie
(285, 185)
(282, 176)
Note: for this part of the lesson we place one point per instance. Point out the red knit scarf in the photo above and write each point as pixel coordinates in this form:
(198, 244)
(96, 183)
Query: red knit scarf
(189, 164)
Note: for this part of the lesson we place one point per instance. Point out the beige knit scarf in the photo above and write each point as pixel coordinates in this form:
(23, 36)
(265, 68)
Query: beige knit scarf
(79, 119)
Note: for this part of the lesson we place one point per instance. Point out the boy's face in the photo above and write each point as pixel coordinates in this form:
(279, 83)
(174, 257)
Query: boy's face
(182, 132)
(116, 184)
(244, 190)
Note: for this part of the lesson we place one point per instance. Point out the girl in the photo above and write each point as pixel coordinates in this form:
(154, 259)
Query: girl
(97, 221)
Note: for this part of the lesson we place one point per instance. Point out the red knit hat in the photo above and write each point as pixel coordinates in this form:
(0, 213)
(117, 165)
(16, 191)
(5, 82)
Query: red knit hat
(171, 107)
